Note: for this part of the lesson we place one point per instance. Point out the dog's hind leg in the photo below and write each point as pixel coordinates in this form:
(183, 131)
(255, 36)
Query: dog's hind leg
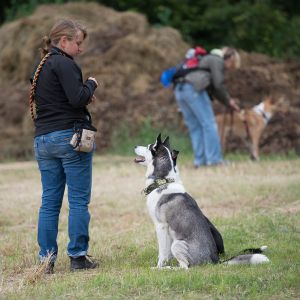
(180, 251)
(249, 145)
(217, 236)
(222, 130)
(164, 244)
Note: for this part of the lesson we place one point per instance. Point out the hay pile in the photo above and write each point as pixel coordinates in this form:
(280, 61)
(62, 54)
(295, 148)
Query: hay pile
(259, 76)
(126, 55)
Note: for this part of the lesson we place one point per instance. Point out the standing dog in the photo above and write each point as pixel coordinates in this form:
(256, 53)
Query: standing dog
(183, 231)
(248, 124)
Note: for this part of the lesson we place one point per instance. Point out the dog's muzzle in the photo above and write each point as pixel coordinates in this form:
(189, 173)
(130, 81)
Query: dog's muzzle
(139, 159)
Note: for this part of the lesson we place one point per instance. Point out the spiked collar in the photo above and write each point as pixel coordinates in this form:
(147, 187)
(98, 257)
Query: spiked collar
(159, 183)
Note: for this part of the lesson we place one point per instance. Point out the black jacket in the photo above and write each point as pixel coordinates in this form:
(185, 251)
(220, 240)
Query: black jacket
(61, 96)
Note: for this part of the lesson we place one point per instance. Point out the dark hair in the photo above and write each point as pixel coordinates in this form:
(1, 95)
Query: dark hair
(67, 28)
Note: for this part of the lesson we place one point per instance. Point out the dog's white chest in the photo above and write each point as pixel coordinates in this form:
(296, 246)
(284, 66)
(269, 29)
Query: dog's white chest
(152, 201)
(260, 110)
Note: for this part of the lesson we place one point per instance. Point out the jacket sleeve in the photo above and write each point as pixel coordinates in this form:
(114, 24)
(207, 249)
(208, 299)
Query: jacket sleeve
(216, 67)
(70, 77)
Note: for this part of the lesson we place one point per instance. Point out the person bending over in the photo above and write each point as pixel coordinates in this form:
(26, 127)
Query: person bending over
(192, 93)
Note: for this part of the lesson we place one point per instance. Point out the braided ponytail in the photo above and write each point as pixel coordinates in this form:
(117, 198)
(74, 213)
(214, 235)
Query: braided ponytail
(46, 46)
(33, 108)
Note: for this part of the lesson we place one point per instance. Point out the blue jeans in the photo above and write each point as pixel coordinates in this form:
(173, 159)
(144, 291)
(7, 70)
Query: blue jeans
(59, 165)
(200, 120)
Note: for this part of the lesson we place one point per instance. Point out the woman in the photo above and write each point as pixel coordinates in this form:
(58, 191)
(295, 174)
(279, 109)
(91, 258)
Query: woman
(58, 101)
(193, 99)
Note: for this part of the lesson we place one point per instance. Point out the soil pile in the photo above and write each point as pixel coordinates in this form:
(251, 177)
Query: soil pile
(127, 55)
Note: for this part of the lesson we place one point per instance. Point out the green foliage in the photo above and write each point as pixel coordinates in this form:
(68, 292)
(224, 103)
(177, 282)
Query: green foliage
(19, 8)
(267, 31)
(125, 137)
(268, 26)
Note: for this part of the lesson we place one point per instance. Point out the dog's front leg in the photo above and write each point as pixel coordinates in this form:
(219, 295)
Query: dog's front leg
(164, 244)
(255, 147)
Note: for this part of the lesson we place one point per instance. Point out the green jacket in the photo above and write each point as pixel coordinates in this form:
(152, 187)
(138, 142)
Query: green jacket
(210, 77)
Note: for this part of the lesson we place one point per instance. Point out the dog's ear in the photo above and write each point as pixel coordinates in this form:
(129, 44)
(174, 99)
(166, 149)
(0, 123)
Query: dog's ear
(158, 139)
(157, 142)
(166, 142)
(273, 100)
(283, 105)
(174, 154)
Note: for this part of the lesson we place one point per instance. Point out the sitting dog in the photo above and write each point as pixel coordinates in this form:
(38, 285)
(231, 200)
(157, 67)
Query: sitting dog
(249, 124)
(183, 231)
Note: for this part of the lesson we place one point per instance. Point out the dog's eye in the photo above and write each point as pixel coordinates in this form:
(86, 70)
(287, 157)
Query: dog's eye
(152, 149)
(153, 152)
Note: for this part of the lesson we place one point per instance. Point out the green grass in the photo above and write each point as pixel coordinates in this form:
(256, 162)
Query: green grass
(252, 204)
(125, 137)
(244, 156)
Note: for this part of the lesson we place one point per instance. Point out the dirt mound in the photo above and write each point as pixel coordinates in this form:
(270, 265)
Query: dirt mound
(259, 76)
(127, 55)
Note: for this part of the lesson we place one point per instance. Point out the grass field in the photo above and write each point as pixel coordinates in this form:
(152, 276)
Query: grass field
(252, 204)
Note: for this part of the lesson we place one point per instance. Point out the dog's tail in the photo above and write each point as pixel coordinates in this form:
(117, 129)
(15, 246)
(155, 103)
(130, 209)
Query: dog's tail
(255, 250)
(250, 256)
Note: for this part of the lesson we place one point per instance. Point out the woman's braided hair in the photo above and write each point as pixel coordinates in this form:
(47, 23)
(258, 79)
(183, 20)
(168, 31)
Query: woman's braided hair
(68, 28)
(33, 110)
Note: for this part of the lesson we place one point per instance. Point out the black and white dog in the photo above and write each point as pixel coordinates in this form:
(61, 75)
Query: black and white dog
(183, 231)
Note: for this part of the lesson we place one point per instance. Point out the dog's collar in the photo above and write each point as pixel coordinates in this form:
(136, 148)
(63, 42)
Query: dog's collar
(259, 109)
(160, 183)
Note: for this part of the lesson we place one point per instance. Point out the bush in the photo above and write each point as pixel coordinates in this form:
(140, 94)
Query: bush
(269, 27)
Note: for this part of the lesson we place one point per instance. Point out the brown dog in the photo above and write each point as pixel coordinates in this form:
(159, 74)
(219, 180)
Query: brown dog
(249, 124)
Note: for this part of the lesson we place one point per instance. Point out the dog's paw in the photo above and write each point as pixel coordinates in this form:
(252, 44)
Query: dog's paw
(162, 262)
(169, 268)
(164, 268)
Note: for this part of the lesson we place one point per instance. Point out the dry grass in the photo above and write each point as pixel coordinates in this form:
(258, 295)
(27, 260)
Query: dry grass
(122, 235)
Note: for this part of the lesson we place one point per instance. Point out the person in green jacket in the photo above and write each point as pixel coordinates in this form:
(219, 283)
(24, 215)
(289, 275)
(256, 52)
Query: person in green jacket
(192, 94)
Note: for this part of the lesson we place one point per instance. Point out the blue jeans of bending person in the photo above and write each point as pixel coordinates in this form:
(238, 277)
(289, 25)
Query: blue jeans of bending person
(199, 118)
(59, 166)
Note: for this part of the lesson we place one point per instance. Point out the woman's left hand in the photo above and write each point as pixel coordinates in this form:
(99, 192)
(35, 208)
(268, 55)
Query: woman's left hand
(93, 79)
